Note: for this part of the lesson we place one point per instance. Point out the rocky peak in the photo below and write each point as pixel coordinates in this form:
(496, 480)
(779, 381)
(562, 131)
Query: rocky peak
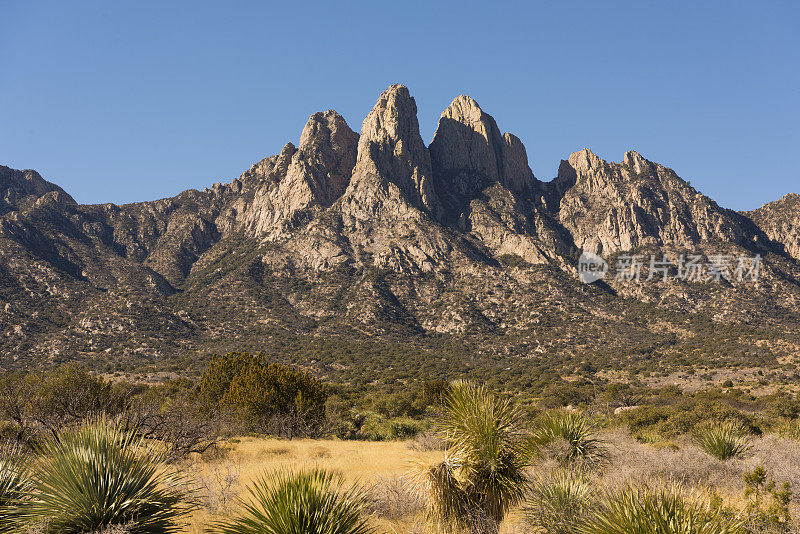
(19, 188)
(780, 221)
(327, 155)
(610, 206)
(468, 152)
(584, 160)
(327, 134)
(637, 163)
(468, 140)
(391, 150)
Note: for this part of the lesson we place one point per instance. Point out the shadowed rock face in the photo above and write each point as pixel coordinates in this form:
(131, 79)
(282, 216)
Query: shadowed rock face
(339, 207)
(21, 187)
(391, 153)
(469, 154)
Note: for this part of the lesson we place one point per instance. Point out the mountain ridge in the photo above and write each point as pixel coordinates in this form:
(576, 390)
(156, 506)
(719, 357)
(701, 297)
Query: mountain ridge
(374, 234)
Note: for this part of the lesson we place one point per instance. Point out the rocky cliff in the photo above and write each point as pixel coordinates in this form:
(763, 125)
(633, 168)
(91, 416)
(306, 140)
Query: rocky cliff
(377, 235)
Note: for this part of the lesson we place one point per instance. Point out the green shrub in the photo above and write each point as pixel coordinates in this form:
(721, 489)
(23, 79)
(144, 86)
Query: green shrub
(404, 428)
(255, 390)
(767, 504)
(571, 437)
(723, 440)
(306, 502)
(99, 476)
(642, 510)
(560, 503)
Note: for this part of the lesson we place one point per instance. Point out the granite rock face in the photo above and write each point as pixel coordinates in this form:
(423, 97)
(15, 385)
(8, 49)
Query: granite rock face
(391, 153)
(780, 220)
(373, 231)
(609, 207)
(469, 153)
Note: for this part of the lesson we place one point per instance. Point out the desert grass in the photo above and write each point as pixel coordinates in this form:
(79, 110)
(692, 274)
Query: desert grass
(384, 466)
(380, 466)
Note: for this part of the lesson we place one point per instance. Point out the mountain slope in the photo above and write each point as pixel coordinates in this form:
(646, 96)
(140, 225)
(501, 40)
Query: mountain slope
(375, 237)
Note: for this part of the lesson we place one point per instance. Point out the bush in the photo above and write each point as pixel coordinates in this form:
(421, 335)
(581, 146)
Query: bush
(307, 502)
(256, 392)
(723, 440)
(790, 430)
(643, 510)
(767, 505)
(99, 476)
(404, 428)
(559, 504)
(571, 437)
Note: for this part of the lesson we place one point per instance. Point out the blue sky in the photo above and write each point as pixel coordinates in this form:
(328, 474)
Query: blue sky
(128, 101)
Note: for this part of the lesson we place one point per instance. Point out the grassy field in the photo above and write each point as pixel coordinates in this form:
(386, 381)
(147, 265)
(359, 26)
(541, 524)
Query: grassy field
(381, 465)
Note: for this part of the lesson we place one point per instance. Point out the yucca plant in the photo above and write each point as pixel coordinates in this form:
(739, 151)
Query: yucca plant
(99, 476)
(306, 502)
(572, 438)
(13, 488)
(723, 441)
(642, 510)
(484, 471)
(560, 502)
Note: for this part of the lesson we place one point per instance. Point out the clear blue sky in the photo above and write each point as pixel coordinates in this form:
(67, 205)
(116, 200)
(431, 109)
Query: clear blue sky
(127, 101)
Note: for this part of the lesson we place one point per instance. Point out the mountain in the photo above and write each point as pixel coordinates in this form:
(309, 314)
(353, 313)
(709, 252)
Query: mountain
(362, 253)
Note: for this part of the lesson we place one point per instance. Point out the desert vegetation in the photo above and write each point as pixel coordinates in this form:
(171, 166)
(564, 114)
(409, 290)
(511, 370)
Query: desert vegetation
(256, 446)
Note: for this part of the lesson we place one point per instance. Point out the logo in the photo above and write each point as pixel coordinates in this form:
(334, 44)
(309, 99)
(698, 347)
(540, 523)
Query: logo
(591, 267)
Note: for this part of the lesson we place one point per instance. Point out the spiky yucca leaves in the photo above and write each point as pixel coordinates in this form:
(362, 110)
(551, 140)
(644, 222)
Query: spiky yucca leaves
(13, 488)
(723, 440)
(571, 437)
(560, 502)
(642, 510)
(100, 476)
(306, 502)
(484, 472)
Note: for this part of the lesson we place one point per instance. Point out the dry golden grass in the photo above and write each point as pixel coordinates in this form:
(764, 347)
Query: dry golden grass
(382, 465)
(363, 462)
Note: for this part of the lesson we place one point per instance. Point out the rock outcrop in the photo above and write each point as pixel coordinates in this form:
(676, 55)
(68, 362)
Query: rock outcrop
(17, 188)
(469, 153)
(391, 154)
(609, 207)
(780, 221)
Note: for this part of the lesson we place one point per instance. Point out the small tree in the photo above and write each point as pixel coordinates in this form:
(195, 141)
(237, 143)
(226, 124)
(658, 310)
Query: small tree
(484, 471)
(263, 395)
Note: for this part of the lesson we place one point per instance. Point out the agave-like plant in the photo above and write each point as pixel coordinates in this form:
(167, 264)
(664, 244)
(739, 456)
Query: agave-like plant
(643, 510)
(484, 471)
(571, 436)
(99, 476)
(310, 501)
(725, 440)
(560, 502)
(13, 488)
